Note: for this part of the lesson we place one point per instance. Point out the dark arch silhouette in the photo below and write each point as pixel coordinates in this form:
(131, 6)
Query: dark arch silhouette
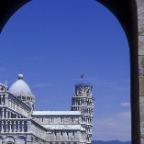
(126, 13)
(8, 8)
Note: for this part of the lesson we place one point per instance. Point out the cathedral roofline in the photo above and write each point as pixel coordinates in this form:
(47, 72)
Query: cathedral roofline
(56, 113)
(64, 127)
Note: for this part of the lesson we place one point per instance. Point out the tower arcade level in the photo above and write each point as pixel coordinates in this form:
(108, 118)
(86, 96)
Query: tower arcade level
(83, 101)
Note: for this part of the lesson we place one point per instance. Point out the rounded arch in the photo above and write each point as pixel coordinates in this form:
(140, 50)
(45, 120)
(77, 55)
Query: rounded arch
(1, 139)
(10, 140)
(135, 87)
(126, 13)
(21, 139)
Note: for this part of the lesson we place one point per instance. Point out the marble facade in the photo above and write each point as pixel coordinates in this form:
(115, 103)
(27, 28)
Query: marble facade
(21, 124)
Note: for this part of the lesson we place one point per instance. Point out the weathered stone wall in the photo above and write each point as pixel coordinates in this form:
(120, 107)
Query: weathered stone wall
(140, 8)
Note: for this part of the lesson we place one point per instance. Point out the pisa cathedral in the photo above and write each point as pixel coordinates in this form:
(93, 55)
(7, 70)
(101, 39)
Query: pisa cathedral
(21, 124)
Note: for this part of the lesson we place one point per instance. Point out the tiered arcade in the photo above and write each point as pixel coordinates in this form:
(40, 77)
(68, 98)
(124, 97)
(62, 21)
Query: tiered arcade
(84, 102)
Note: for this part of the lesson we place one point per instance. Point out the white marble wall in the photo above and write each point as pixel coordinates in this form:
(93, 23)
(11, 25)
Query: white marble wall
(66, 136)
(16, 120)
(62, 135)
(14, 104)
(49, 120)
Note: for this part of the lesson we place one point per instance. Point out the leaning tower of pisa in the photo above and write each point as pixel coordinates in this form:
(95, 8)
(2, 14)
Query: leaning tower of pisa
(83, 101)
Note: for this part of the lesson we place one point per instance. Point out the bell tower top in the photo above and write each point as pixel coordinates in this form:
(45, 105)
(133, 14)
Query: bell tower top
(84, 90)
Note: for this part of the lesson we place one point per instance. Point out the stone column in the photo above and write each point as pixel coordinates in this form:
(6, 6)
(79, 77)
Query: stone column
(2, 112)
(18, 126)
(10, 126)
(2, 101)
(6, 113)
(14, 127)
(23, 128)
(29, 126)
(6, 100)
(7, 127)
(2, 123)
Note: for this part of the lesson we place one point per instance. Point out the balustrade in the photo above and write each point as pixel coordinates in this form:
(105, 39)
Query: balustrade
(8, 126)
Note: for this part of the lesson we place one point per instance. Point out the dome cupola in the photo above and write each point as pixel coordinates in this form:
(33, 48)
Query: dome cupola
(20, 87)
(21, 90)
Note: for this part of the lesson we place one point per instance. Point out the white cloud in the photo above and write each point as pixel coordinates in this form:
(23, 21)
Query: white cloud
(125, 104)
(116, 127)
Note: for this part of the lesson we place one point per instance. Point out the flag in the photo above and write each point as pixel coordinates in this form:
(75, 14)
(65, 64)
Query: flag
(82, 76)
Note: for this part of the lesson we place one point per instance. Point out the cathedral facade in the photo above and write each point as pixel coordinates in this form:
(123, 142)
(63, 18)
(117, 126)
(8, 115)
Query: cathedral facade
(21, 124)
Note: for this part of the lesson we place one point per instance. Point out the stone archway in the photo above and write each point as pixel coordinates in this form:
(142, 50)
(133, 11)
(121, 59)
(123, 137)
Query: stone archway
(130, 14)
(127, 12)
(1, 139)
(10, 143)
(10, 140)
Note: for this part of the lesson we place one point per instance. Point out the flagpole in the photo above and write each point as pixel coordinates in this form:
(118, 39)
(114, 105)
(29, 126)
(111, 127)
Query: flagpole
(82, 76)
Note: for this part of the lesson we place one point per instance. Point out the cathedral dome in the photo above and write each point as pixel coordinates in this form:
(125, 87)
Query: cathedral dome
(20, 88)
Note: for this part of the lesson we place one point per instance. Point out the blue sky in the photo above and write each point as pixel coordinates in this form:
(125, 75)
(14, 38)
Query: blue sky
(53, 42)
